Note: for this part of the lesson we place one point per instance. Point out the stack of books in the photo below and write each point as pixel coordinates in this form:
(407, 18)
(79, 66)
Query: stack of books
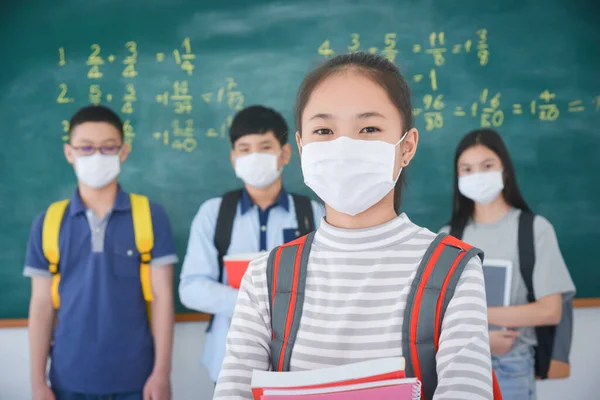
(380, 379)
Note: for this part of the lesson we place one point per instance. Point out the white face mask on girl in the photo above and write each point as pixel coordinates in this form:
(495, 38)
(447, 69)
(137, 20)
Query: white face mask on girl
(350, 175)
(481, 187)
(258, 170)
(97, 170)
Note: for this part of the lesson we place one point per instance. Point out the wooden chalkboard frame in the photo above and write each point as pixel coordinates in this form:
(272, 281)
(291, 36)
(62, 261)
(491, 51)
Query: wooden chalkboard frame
(201, 317)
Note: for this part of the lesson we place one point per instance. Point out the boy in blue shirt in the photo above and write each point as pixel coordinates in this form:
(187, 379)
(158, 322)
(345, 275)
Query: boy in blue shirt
(102, 345)
(256, 218)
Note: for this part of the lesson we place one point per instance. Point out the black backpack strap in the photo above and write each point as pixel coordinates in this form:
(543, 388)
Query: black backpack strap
(430, 293)
(286, 282)
(545, 335)
(527, 251)
(304, 214)
(222, 239)
(457, 231)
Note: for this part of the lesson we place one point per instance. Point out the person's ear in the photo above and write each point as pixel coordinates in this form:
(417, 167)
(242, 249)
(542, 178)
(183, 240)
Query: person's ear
(125, 152)
(232, 158)
(286, 154)
(299, 142)
(408, 147)
(69, 153)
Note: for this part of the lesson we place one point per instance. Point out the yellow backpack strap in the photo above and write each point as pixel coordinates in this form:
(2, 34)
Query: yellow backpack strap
(50, 235)
(144, 239)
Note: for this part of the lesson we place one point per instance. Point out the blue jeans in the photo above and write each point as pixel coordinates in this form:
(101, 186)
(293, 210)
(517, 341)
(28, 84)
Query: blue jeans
(66, 395)
(516, 375)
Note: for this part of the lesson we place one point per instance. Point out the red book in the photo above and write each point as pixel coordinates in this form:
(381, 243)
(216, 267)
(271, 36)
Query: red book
(236, 266)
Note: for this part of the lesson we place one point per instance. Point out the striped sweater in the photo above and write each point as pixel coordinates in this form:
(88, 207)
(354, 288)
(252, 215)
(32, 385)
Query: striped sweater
(356, 289)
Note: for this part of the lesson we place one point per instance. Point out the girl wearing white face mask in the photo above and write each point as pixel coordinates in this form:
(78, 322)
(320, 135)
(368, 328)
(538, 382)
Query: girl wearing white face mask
(487, 212)
(355, 135)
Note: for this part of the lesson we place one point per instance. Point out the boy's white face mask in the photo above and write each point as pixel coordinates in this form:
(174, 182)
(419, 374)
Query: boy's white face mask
(97, 170)
(258, 170)
(350, 175)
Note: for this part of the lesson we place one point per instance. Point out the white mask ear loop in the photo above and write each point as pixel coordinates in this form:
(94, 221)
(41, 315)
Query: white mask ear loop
(405, 162)
(402, 138)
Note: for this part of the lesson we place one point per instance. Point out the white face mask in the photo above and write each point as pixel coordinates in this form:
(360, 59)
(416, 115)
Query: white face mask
(258, 170)
(481, 187)
(97, 170)
(350, 175)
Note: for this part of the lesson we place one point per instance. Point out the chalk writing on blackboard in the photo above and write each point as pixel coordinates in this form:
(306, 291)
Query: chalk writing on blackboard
(180, 97)
(432, 79)
(483, 52)
(95, 61)
(66, 126)
(185, 59)
(325, 49)
(182, 136)
(128, 99)
(95, 96)
(547, 110)
(517, 109)
(389, 51)
(355, 45)
(130, 60)
(576, 106)
(61, 57)
(128, 132)
(62, 96)
(436, 46)
(437, 49)
(433, 107)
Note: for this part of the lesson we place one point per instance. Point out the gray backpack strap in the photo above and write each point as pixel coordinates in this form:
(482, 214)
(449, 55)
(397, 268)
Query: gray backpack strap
(430, 292)
(286, 281)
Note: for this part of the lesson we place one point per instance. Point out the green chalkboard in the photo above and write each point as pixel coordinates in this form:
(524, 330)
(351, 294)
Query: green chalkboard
(529, 68)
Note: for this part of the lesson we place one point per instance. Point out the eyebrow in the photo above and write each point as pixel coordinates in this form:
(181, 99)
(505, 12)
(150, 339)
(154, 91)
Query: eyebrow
(464, 164)
(370, 114)
(321, 116)
(364, 115)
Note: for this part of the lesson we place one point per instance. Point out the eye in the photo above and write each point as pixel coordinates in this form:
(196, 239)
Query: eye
(87, 149)
(267, 147)
(323, 131)
(109, 149)
(488, 166)
(370, 129)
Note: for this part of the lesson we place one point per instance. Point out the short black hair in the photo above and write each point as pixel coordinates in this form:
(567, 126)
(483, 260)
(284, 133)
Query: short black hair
(96, 114)
(258, 119)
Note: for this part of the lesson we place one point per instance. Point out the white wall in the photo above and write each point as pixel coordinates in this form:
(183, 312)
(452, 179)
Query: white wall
(190, 381)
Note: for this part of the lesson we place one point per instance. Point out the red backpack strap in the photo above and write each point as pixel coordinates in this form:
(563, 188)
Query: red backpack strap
(430, 292)
(286, 281)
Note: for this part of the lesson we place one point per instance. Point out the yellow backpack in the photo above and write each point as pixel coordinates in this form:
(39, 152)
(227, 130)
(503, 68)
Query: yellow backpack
(144, 241)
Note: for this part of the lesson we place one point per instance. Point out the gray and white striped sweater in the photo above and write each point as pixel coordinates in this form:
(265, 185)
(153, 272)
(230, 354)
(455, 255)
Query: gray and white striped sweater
(356, 289)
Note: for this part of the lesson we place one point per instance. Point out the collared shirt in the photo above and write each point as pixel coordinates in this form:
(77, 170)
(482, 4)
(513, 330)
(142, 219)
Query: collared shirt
(253, 230)
(102, 342)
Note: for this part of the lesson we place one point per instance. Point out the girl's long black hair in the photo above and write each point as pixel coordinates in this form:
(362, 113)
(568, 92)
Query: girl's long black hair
(463, 207)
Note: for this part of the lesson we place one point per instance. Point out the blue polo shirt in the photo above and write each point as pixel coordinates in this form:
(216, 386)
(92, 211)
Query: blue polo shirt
(102, 341)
